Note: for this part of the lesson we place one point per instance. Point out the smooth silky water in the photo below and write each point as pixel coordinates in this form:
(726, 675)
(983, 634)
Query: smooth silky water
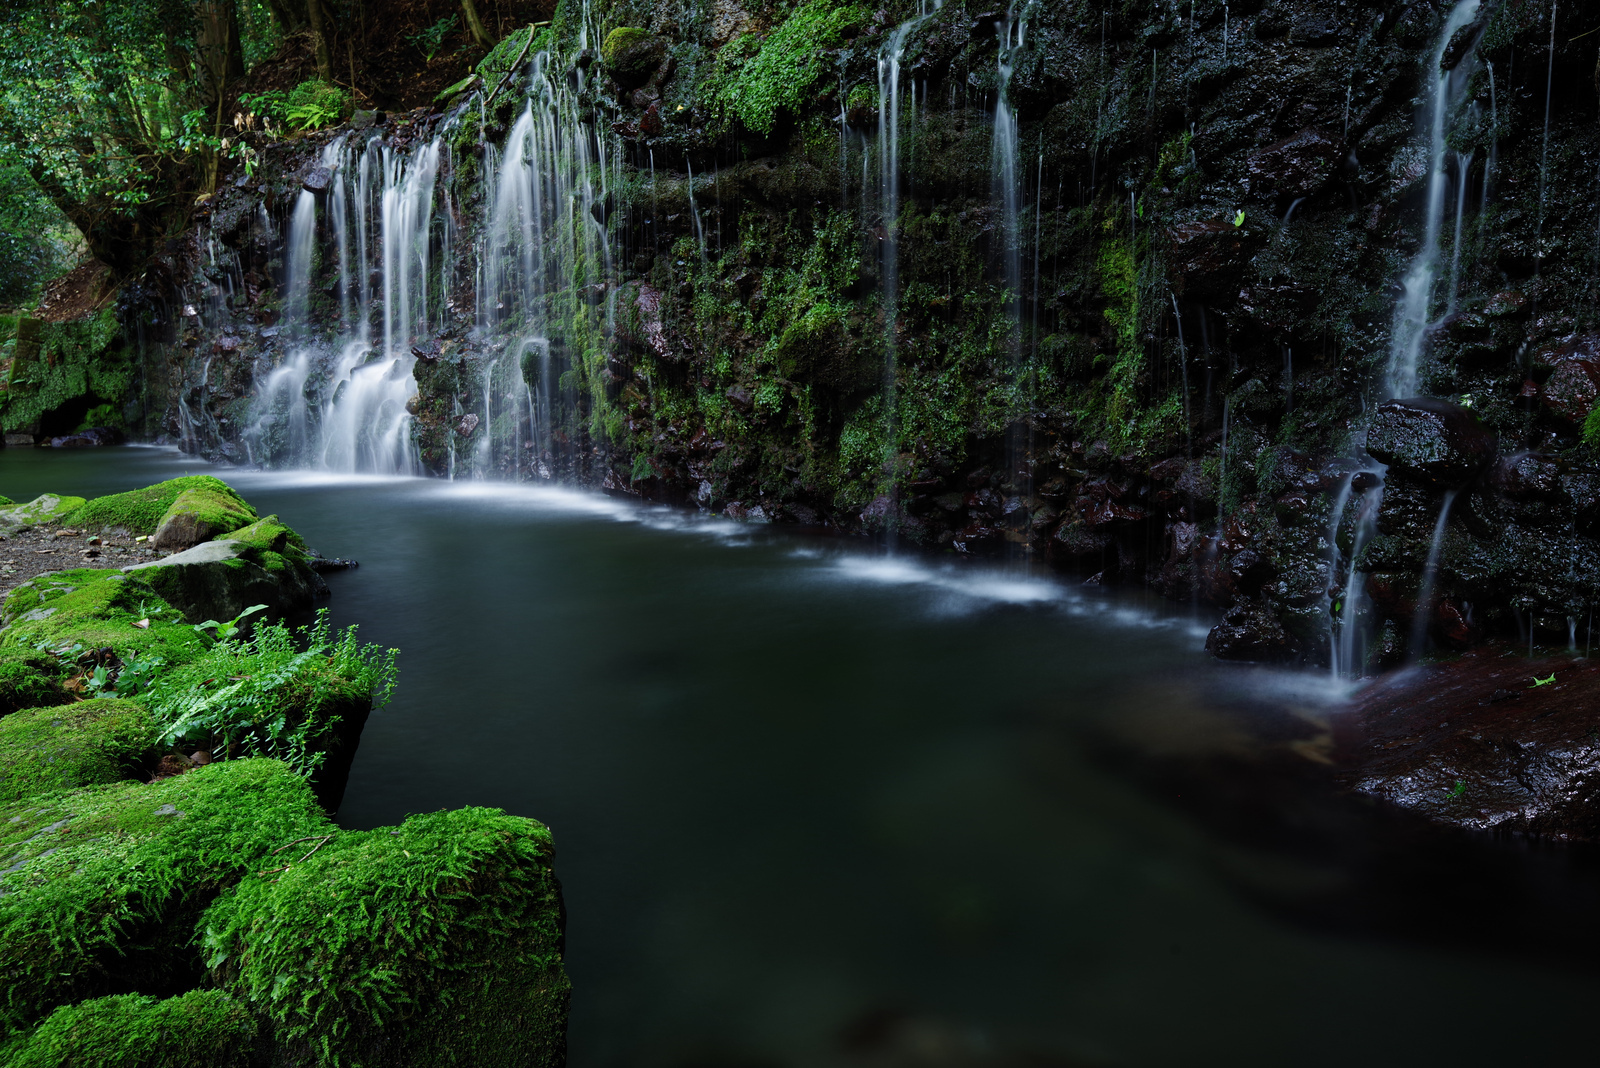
(817, 806)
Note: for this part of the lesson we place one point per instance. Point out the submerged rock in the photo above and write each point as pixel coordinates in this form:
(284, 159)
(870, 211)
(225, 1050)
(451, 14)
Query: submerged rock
(1431, 441)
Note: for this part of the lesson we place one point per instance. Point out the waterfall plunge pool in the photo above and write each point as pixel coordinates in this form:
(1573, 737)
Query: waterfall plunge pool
(818, 806)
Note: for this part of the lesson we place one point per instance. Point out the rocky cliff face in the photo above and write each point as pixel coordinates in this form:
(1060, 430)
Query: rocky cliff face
(1150, 292)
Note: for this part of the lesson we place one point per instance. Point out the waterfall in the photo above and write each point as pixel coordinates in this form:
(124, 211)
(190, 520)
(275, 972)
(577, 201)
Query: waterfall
(337, 392)
(1328, 603)
(297, 264)
(1349, 658)
(889, 179)
(543, 245)
(1424, 607)
(1013, 32)
(1411, 322)
(332, 401)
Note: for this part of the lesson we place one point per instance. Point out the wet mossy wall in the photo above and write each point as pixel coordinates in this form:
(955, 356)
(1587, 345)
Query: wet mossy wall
(1161, 360)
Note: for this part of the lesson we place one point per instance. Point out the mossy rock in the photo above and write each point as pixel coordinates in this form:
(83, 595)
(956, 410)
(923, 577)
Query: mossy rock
(438, 942)
(83, 744)
(217, 580)
(200, 514)
(96, 609)
(141, 511)
(43, 509)
(29, 678)
(269, 534)
(199, 1029)
(631, 55)
(103, 885)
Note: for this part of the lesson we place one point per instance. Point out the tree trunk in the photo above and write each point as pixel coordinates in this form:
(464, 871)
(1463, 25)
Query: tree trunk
(220, 53)
(319, 30)
(285, 15)
(475, 24)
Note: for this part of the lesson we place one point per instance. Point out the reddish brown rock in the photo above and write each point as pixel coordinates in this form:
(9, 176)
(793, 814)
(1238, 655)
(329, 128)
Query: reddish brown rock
(1490, 741)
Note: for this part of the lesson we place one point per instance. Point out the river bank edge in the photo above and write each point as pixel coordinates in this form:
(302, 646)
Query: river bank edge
(201, 907)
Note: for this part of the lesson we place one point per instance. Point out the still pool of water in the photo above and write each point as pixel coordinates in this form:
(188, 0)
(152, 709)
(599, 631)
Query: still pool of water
(814, 805)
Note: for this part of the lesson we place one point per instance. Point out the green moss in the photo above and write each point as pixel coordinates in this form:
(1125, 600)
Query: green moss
(620, 40)
(1119, 282)
(71, 360)
(29, 678)
(441, 937)
(1591, 427)
(141, 511)
(103, 884)
(757, 80)
(208, 511)
(96, 609)
(269, 534)
(83, 744)
(200, 1029)
(42, 510)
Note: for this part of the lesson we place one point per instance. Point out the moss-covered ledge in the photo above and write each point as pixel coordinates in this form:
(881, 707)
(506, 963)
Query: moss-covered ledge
(214, 915)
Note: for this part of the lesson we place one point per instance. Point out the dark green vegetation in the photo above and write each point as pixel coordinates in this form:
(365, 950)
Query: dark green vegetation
(163, 909)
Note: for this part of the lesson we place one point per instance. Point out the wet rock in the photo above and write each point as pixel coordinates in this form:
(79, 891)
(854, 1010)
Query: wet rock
(1431, 441)
(317, 179)
(220, 579)
(978, 539)
(1490, 741)
(1527, 475)
(426, 350)
(740, 398)
(1206, 256)
(631, 56)
(468, 424)
(1250, 632)
(1297, 166)
(1573, 385)
(93, 437)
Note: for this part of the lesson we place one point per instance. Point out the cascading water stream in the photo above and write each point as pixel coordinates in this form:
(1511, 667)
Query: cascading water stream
(335, 402)
(1349, 652)
(1013, 34)
(1411, 318)
(889, 133)
(1423, 613)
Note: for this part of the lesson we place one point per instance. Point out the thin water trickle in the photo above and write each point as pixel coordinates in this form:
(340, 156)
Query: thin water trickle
(1544, 152)
(1183, 362)
(1329, 604)
(1463, 162)
(1412, 313)
(1422, 616)
(1013, 34)
(1350, 654)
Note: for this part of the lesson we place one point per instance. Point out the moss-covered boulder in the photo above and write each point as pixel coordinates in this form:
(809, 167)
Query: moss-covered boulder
(43, 509)
(199, 1029)
(102, 886)
(631, 55)
(96, 609)
(437, 942)
(199, 514)
(141, 511)
(29, 678)
(83, 744)
(220, 579)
